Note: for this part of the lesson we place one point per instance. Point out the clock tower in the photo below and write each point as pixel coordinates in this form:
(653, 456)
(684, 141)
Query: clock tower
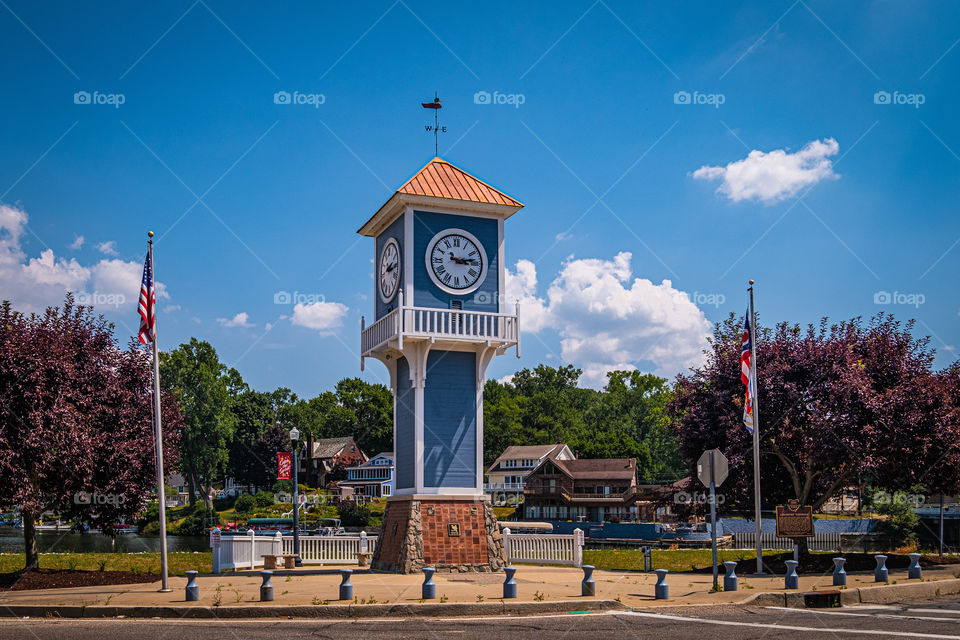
(440, 317)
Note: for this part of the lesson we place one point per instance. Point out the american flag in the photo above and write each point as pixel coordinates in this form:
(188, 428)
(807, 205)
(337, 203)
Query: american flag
(148, 305)
(746, 373)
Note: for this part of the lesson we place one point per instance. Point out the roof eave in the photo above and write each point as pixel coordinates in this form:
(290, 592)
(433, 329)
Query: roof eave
(386, 214)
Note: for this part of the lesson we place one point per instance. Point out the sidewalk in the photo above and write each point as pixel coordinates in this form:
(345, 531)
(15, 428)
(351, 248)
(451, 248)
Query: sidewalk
(542, 585)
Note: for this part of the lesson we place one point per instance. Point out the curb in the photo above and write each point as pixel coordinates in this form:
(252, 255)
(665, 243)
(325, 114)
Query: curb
(331, 611)
(879, 594)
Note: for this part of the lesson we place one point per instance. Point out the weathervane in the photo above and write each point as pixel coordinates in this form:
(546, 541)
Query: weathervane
(436, 128)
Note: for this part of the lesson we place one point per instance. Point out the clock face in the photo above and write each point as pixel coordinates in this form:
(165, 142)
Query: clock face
(456, 261)
(389, 270)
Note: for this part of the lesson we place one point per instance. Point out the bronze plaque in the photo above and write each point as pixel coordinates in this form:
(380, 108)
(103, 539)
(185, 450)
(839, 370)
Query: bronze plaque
(453, 530)
(431, 511)
(794, 521)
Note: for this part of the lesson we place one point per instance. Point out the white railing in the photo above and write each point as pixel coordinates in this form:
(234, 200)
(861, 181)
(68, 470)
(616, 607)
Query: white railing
(544, 548)
(247, 551)
(820, 542)
(503, 486)
(440, 323)
(380, 331)
(331, 549)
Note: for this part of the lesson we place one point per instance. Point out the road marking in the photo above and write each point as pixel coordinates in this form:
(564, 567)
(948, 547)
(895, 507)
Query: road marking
(949, 612)
(785, 627)
(903, 616)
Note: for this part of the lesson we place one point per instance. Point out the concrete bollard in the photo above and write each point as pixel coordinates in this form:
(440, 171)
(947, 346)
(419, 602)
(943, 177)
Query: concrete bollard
(730, 582)
(839, 574)
(510, 584)
(661, 591)
(346, 587)
(791, 580)
(914, 570)
(880, 574)
(193, 589)
(266, 589)
(587, 586)
(429, 589)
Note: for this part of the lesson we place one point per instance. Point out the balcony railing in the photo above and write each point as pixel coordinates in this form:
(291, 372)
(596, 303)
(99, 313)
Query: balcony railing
(451, 324)
(503, 486)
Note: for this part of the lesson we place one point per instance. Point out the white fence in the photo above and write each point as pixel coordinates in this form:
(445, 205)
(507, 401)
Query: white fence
(820, 542)
(247, 551)
(544, 548)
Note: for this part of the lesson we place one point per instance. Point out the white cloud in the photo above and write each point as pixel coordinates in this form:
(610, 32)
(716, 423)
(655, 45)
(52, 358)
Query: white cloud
(242, 319)
(77, 243)
(507, 379)
(109, 248)
(521, 286)
(170, 308)
(32, 284)
(770, 177)
(320, 316)
(608, 320)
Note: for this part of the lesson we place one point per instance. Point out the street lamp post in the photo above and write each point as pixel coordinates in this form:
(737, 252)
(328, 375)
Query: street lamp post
(295, 448)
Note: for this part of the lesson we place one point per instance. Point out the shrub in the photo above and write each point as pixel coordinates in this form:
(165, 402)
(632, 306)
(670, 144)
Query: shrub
(901, 522)
(244, 503)
(197, 523)
(264, 499)
(353, 514)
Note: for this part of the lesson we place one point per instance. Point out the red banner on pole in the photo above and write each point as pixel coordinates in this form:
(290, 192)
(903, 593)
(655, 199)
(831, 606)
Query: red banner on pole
(284, 465)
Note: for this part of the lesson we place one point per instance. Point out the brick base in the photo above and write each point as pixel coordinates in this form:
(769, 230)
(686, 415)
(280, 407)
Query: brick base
(446, 533)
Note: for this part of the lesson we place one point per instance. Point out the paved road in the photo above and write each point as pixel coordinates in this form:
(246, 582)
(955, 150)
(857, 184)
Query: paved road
(938, 618)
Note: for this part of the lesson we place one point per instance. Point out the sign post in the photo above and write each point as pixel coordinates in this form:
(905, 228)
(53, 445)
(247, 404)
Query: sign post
(712, 470)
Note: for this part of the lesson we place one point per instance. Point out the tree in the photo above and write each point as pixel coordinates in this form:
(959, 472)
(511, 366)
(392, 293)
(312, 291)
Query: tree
(355, 408)
(257, 437)
(202, 386)
(76, 430)
(838, 404)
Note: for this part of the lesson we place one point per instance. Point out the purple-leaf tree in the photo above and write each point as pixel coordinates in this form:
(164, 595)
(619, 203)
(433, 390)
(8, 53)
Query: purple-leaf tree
(839, 405)
(76, 430)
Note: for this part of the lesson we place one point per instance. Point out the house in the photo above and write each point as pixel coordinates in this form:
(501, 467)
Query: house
(325, 460)
(506, 476)
(593, 490)
(373, 478)
(181, 495)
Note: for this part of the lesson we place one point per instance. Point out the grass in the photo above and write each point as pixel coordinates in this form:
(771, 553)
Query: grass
(675, 560)
(136, 562)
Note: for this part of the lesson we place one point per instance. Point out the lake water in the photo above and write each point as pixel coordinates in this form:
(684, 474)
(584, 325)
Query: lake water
(11, 541)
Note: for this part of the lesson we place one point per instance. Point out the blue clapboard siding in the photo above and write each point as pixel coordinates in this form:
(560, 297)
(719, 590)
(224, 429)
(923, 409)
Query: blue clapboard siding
(405, 430)
(426, 294)
(395, 230)
(450, 420)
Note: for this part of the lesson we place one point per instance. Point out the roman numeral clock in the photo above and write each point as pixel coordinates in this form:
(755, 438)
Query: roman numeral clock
(440, 317)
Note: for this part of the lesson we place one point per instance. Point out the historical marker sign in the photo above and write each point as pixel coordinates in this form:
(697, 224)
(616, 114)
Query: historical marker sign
(794, 521)
(712, 464)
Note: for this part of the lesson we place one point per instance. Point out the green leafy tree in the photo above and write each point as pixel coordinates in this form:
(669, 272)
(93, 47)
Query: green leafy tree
(257, 437)
(204, 388)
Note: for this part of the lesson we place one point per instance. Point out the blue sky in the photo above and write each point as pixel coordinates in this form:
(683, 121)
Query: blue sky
(848, 192)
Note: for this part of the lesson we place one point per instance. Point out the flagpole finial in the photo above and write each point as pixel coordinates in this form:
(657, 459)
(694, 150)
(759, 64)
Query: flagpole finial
(150, 235)
(751, 283)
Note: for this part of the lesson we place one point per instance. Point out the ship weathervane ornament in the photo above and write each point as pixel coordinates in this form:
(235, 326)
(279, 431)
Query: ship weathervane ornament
(436, 128)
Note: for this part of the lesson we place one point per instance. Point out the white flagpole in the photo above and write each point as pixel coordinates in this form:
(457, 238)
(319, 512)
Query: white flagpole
(756, 432)
(157, 430)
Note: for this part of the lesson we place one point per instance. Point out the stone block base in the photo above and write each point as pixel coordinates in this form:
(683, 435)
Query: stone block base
(449, 533)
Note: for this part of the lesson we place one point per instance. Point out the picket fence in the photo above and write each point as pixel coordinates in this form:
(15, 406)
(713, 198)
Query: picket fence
(544, 548)
(820, 542)
(247, 551)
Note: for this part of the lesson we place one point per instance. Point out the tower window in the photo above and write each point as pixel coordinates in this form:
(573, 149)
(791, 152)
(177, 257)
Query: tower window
(456, 304)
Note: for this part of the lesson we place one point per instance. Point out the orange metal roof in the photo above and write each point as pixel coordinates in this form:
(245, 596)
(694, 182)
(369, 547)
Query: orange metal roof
(440, 179)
